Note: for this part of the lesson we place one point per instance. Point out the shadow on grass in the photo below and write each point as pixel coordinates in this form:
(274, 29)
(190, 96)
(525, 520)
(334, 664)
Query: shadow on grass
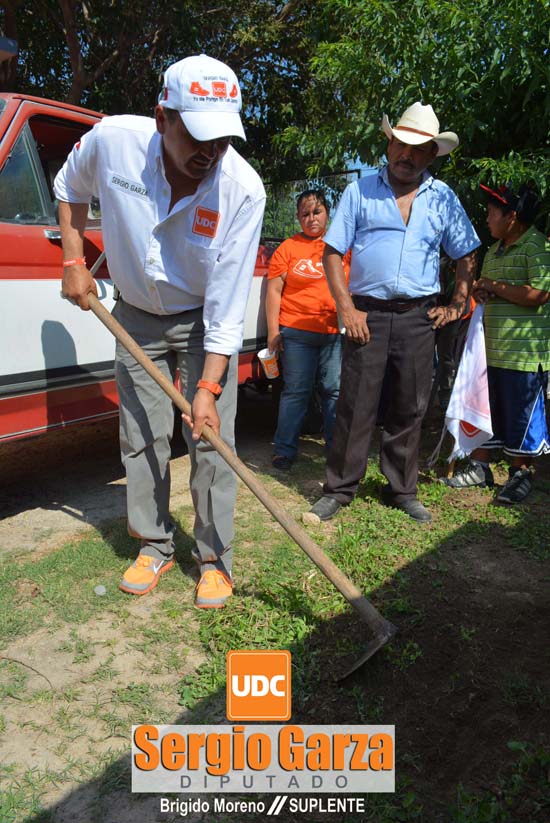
(467, 675)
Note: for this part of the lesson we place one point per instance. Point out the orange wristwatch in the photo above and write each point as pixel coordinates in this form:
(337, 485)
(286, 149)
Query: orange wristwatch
(215, 388)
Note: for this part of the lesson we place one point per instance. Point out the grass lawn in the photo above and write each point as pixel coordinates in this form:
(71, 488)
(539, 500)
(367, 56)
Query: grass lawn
(466, 681)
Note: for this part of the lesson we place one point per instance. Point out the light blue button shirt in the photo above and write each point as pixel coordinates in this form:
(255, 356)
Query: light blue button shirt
(390, 259)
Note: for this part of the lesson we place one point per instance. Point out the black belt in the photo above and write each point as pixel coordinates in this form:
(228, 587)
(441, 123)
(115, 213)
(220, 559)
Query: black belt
(365, 303)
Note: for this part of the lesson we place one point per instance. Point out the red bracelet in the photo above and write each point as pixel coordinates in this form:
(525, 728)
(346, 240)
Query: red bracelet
(78, 261)
(215, 388)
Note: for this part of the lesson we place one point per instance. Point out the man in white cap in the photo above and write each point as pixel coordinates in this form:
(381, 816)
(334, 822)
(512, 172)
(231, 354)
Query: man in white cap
(182, 215)
(394, 222)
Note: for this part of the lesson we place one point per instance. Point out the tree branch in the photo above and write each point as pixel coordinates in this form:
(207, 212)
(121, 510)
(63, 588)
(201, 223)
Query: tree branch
(80, 77)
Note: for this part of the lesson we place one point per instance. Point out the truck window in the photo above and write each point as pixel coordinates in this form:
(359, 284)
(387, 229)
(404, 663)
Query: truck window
(54, 138)
(22, 198)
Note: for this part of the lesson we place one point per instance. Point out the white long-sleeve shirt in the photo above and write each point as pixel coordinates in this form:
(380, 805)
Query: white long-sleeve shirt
(202, 253)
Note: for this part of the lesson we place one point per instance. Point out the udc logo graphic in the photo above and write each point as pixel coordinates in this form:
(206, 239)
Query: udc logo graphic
(206, 222)
(258, 685)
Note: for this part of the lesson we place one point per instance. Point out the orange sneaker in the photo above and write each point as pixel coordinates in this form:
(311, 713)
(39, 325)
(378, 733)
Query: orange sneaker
(213, 589)
(143, 575)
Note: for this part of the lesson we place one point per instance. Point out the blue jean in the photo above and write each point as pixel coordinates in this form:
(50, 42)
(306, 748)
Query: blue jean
(309, 359)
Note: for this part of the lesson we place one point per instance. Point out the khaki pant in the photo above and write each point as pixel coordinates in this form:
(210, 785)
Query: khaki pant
(146, 426)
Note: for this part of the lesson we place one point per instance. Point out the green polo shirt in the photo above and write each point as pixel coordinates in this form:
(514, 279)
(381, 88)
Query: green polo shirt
(517, 337)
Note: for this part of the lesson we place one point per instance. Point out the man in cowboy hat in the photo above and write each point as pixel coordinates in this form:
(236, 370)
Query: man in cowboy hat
(394, 222)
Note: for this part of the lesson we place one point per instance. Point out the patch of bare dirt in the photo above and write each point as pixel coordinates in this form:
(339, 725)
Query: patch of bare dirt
(81, 687)
(58, 484)
(470, 666)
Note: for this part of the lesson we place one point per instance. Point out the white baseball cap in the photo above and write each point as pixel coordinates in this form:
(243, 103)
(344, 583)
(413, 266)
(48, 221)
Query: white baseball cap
(207, 95)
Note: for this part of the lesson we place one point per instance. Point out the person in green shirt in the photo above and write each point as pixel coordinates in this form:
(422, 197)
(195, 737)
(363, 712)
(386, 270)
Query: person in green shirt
(515, 285)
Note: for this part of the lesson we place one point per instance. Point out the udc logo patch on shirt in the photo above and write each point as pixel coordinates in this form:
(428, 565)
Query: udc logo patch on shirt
(206, 222)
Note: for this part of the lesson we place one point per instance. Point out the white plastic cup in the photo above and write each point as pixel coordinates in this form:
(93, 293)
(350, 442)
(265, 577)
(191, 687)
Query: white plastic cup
(268, 359)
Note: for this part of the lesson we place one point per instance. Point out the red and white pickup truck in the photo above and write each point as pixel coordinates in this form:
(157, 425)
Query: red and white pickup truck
(56, 362)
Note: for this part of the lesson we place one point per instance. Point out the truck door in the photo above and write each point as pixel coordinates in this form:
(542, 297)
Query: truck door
(56, 367)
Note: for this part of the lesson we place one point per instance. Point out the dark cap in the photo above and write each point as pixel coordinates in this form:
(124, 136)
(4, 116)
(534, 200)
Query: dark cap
(525, 202)
(504, 194)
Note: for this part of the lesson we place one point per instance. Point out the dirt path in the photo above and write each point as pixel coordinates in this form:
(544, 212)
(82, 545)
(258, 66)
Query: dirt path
(57, 484)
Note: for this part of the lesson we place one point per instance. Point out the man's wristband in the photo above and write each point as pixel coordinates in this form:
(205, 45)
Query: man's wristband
(77, 261)
(215, 388)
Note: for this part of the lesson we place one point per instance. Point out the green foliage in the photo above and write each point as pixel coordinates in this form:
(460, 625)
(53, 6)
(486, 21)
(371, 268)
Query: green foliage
(522, 691)
(404, 656)
(280, 219)
(111, 56)
(524, 796)
(482, 65)
(318, 76)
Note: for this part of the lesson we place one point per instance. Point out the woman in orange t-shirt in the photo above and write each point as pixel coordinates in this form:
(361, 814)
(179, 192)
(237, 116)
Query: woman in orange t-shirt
(302, 327)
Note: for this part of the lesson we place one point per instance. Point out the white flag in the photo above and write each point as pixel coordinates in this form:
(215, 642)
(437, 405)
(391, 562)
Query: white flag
(468, 415)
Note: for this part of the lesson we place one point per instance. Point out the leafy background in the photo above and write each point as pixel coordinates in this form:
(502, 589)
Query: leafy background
(317, 76)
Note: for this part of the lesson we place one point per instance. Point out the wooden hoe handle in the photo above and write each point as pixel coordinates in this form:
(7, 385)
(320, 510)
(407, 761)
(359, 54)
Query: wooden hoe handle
(382, 628)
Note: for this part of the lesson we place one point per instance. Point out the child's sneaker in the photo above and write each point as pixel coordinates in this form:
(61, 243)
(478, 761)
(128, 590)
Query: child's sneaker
(519, 485)
(473, 474)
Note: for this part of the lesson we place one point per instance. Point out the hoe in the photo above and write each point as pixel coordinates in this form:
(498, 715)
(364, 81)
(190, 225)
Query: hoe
(382, 630)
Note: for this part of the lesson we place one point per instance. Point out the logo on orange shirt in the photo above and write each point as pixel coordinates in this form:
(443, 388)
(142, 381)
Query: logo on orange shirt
(258, 685)
(305, 268)
(196, 88)
(206, 222)
(219, 88)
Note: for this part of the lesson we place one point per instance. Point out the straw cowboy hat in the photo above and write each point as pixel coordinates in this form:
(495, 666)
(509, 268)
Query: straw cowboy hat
(419, 124)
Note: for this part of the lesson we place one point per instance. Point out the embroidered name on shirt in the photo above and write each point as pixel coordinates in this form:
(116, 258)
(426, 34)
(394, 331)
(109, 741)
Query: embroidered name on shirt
(129, 186)
(206, 222)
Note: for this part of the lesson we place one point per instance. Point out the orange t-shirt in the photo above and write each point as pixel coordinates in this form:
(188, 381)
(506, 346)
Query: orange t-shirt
(306, 301)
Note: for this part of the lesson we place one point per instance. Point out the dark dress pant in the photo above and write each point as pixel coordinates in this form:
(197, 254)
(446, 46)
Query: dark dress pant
(399, 357)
